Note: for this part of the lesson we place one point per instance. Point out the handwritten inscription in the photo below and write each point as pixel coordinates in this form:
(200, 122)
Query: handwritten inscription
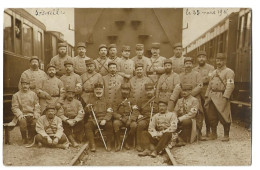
(199, 12)
(44, 12)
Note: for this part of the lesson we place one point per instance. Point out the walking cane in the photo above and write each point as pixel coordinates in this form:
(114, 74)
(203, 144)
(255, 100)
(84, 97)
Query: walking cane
(151, 115)
(126, 128)
(93, 113)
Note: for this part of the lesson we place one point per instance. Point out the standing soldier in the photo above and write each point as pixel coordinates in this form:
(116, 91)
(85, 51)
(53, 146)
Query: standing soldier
(167, 81)
(113, 54)
(112, 83)
(138, 83)
(160, 131)
(72, 114)
(71, 79)
(34, 74)
(156, 68)
(125, 112)
(140, 58)
(186, 108)
(126, 66)
(25, 106)
(89, 78)
(51, 91)
(220, 88)
(178, 59)
(193, 78)
(102, 61)
(205, 71)
(147, 108)
(99, 107)
(79, 60)
(49, 130)
(58, 60)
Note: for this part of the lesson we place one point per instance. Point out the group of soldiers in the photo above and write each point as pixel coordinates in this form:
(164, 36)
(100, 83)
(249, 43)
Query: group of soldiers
(140, 101)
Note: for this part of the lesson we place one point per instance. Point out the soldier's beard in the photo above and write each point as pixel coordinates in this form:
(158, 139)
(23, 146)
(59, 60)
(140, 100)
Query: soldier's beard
(62, 54)
(51, 74)
(167, 70)
(50, 116)
(202, 63)
(99, 94)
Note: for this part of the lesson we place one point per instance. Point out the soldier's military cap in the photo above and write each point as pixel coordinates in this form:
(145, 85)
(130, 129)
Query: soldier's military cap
(98, 85)
(139, 65)
(188, 59)
(112, 46)
(25, 80)
(102, 46)
(177, 45)
(89, 61)
(201, 53)
(62, 45)
(125, 86)
(126, 48)
(34, 58)
(70, 89)
(111, 63)
(163, 100)
(149, 86)
(68, 61)
(81, 44)
(167, 61)
(156, 45)
(139, 47)
(186, 86)
(50, 65)
(221, 56)
(49, 106)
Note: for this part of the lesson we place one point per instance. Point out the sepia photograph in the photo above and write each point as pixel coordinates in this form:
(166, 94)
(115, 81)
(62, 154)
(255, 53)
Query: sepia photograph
(127, 86)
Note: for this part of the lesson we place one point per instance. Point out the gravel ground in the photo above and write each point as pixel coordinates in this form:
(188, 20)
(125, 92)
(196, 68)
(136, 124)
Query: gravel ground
(235, 152)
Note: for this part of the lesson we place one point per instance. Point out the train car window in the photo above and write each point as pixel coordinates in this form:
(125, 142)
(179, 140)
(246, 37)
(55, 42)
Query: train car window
(248, 30)
(27, 40)
(38, 45)
(241, 29)
(221, 43)
(8, 33)
(245, 29)
(18, 36)
(54, 45)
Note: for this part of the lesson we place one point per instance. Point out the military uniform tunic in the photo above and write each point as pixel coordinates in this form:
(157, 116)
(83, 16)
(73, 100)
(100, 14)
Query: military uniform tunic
(144, 60)
(221, 86)
(178, 64)
(58, 62)
(138, 88)
(112, 84)
(156, 68)
(88, 81)
(71, 110)
(115, 59)
(166, 85)
(53, 87)
(35, 78)
(71, 81)
(126, 67)
(79, 64)
(102, 65)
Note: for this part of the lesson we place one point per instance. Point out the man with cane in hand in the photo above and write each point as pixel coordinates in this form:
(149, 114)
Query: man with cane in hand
(99, 117)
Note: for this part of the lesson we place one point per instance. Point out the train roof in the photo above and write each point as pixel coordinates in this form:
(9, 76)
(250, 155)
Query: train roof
(28, 16)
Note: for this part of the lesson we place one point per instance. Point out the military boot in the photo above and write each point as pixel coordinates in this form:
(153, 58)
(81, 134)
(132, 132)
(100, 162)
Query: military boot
(200, 137)
(90, 137)
(226, 133)
(24, 137)
(207, 131)
(117, 141)
(109, 142)
(73, 142)
(213, 135)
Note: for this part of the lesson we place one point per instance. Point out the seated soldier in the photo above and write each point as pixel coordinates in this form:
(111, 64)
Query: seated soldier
(50, 130)
(98, 107)
(146, 108)
(124, 113)
(160, 131)
(186, 109)
(26, 108)
(72, 115)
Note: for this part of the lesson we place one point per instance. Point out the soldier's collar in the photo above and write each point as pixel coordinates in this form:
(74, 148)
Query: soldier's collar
(222, 68)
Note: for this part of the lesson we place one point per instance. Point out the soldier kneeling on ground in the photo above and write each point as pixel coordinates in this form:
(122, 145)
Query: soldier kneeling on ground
(72, 115)
(160, 131)
(186, 109)
(99, 113)
(50, 130)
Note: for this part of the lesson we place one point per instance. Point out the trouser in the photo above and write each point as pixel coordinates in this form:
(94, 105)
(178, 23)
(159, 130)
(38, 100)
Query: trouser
(214, 117)
(140, 126)
(90, 128)
(117, 124)
(199, 120)
(159, 144)
(43, 140)
(77, 130)
(27, 124)
(185, 127)
(205, 115)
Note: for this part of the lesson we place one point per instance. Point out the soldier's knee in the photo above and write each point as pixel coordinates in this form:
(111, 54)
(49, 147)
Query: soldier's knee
(142, 125)
(133, 125)
(117, 124)
(23, 124)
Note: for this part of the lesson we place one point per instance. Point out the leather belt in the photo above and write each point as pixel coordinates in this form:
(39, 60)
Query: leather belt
(205, 84)
(55, 95)
(218, 91)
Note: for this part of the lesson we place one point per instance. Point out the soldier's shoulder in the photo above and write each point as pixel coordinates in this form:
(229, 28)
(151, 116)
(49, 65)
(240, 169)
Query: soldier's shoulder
(210, 66)
(57, 118)
(228, 70)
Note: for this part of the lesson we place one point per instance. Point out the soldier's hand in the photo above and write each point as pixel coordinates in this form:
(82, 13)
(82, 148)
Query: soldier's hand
(135, 107)
(103, 122)
(48, 96)
(109, 110)
(70, 122)
(49, 140)
(36, 116)
(55, 141)
(21, 117)
(140, 116)
(89, 106)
